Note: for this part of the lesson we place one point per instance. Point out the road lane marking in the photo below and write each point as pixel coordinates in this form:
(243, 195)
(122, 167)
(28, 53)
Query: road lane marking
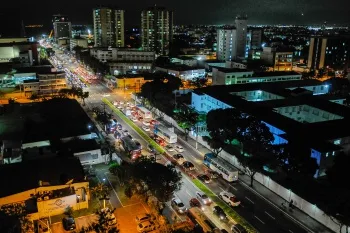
(290, 231)
(259, 219)
(188, 193)
(270, 216)
(233, 187)
(249, 200)
(222, 189)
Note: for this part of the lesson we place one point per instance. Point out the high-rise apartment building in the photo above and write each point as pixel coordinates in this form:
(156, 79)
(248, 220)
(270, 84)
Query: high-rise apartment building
(241, 35)
(108, 27)
(156, 29)
(231, 42)
(329, 51)
(62, 27)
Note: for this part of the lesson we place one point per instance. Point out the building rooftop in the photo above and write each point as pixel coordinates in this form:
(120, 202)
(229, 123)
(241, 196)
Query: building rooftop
(317, 132)
(230, 70)
(275, 73)
(179, 67)
(19, 177)
(77, 146)
(48, 120)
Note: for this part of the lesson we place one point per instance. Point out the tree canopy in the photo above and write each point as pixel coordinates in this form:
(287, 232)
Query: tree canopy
(187, 118)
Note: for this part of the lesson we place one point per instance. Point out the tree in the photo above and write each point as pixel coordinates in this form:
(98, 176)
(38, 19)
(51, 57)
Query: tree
(14, 217)
(256, 138)
(187, 118)
(148, 178)
(199, 82)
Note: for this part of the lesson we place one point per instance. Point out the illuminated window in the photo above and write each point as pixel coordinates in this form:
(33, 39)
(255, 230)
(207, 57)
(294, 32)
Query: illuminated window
(337, 142)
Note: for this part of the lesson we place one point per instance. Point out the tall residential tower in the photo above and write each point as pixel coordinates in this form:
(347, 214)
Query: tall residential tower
(156, 29)
(61, 26)
(108, 27)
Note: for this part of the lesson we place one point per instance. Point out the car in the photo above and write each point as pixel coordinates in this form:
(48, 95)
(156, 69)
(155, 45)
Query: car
(195, 203)
(179, 158)
(120, 107)
(218, 211)
(169, 147)
(212, 174)
(146, 128)
(229, 198)
(178, 205)
(43, 226)
(138, 144)
(204, 178)
(134, 119)
(129, 136)
(188, 165)
(238, 229)
(144, 217)
(125, 132)
(150, 148)
(153, 122)
(146, 123)
(68, 223)
(115, 120)
(119, 126)
(204, 198)
(179, 148)
(146, 226)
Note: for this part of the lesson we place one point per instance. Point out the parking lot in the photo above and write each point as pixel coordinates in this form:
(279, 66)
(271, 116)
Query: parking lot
(126, 217)
(80, 222)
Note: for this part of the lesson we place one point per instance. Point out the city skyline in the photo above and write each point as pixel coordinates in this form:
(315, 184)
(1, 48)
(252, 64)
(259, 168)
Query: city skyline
(195, 12)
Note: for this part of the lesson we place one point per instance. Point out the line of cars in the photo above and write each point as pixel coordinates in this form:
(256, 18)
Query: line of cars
(146, 222)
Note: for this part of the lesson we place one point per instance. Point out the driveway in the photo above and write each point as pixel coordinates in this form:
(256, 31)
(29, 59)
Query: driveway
(80, 222)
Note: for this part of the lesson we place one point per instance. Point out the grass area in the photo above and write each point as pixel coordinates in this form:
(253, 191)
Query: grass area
(228, 210)
(135, 127)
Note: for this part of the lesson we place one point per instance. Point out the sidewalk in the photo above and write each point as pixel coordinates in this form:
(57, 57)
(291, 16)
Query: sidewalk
(275, 200)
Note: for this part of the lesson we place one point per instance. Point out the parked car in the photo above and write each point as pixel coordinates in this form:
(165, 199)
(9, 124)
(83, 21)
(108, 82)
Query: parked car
(188, 165)
(144, 217)
(218, 211)
(179, 158)
(169, 148)
(204, 178)
(178, 205)
(238, 229)
(204, 198)
(179, 148)
(229, 198)
(146, 226)
(68, 223)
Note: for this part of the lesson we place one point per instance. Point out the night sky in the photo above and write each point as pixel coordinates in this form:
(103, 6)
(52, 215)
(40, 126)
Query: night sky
(186, 11)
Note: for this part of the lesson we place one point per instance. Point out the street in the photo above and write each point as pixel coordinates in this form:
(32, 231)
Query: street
(263, 216)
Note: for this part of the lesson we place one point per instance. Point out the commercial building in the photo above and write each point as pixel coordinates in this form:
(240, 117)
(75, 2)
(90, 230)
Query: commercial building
(230, 76)
(81, 42)
(108, 27)
(45, 187)
(279, 59)
(124, 60)
(131, 82)
(231, 42)
(18, 50)
(294, 111)
(62, 26)
(254, 37)
(329, 52)
(45, 84)
(183, 72)
(156, 29)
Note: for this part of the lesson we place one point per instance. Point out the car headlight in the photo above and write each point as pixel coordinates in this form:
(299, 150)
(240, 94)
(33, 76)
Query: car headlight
(221, 217)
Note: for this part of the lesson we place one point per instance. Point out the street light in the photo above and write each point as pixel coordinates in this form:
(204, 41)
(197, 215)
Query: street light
(89, 127)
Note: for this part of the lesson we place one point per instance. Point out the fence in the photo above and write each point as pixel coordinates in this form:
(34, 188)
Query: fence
(310, 209)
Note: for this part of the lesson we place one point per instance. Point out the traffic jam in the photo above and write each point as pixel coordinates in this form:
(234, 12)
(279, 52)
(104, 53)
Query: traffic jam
(175, 156)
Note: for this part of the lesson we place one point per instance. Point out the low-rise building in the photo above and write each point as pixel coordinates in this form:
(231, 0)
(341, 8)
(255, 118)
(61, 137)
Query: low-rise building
(226, 76)
(184, 72)
(81, 42)
(279, 59)
(129, 67)
(294, 111)
(45, 187)
(45, 84)
(24, 52)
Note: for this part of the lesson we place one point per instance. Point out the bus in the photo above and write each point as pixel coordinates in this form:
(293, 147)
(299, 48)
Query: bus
(201, 223)
(144, 112)
(221, 166)
(165, 134)
(131, 147)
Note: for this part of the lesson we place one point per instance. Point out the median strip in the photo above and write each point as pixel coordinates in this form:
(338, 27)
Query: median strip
(134, 126)
(228, 210)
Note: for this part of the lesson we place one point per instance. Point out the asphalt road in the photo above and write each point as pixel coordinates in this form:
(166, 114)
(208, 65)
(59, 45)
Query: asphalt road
(261, 214)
